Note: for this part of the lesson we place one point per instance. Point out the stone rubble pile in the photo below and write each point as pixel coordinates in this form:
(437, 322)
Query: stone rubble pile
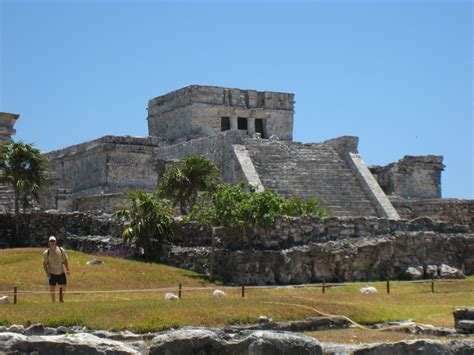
(442, 271)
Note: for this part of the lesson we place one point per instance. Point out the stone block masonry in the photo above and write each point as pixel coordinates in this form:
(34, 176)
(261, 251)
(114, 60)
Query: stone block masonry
(447, 210)
(310, 170)
(413, 177)
(7, 121)
(107, 165)
(293, 251)
(197, 111)
(303, 250)
(218, 148)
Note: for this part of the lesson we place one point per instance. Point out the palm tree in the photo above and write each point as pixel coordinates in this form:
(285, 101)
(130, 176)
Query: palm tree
(182, 183)
(147, 222)
(23, 167)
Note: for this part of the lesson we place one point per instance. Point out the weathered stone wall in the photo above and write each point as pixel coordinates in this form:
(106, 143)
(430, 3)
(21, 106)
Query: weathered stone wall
(51, 196)
(448, 210)
(288, 232)
(217, 148)
(301, 250)
(294, 250)
(414, 177)
(7, 122)
(107, 203)
(108, 164)
(95, 175)
(36, 227)
(346, 260)
(196, 111)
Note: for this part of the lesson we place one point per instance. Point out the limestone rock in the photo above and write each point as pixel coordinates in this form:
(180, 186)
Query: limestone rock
(17, 329)
(50, 331)
(213, 341)
(35, 329)
(449, 272)
(418, 347)
(414, 273)
(188, 341)
(171, 297)
(95, 262)
(463, 313)
(431, 272)
(218, 294)
(264, 320)
(78, 344)
(466, 326)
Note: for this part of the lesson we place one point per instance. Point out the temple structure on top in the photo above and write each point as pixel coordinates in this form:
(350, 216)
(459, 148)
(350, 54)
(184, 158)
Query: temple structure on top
(197, 111)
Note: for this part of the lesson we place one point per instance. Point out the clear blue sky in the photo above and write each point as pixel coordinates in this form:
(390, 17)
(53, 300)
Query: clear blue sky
(397, 74)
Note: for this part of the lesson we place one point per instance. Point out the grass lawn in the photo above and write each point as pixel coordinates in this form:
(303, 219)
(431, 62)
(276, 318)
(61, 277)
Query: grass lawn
(142, 312)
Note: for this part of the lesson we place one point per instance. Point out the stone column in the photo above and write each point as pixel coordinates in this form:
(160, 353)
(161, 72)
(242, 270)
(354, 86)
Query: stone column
(251, 126)
(233, 122)
(7, 121)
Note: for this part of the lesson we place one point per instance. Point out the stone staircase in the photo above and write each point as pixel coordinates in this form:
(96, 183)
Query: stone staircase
(310, 170)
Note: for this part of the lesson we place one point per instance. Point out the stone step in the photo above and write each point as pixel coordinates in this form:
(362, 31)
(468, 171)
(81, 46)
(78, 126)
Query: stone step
(295, 169)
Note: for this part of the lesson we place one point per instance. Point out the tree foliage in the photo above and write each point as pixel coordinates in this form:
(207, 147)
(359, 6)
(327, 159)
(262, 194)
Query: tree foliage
(240, 205)
(146, 222)
(182, 183)
(23, 167)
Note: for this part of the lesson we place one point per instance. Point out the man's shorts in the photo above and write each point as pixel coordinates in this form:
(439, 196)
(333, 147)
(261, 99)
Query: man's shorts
(57, 279)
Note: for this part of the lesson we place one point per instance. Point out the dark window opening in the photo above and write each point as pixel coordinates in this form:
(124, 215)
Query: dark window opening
(259, 126)
(242, 123)
(225, 123)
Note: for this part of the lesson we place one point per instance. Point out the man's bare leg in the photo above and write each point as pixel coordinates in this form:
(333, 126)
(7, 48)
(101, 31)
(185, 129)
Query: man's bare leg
(62, 290)
(52, 290)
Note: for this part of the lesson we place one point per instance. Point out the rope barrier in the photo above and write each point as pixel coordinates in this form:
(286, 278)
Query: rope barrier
(16, 293)
(204, 288)
(355, 324)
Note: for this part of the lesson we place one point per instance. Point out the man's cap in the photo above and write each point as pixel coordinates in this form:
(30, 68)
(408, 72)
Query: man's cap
(52, 238)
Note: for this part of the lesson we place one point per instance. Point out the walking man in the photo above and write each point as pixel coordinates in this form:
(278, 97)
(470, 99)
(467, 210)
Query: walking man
(54, 262)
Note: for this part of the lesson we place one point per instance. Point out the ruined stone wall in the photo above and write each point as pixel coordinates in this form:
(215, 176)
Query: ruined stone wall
(217, 148)
(196, 111)
(294, 250)
(108, 164)
(448, 210)
(413, 177)
(108, 203)
(7, 122)
(302, 250)
(36, 227)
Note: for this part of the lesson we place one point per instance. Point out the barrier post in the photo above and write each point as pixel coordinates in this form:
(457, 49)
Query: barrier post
(388, 286)
(14, 294)
(179, 291)
(432, 286)
(243, 290)
(324, 286)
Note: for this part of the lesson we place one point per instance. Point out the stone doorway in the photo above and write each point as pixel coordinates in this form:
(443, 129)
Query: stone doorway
(242, 123)
(259, 127)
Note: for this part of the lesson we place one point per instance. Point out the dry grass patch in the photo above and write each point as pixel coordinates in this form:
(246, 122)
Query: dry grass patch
(150, 312)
